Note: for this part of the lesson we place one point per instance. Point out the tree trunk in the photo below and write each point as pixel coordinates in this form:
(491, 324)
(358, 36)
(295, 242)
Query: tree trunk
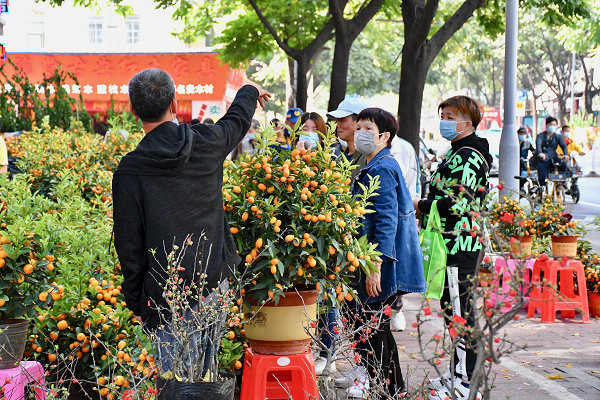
(412, 85)
(303, 66)
(339, 71)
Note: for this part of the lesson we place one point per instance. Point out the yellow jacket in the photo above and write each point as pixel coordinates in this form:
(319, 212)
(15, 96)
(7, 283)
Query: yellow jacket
(571, 146)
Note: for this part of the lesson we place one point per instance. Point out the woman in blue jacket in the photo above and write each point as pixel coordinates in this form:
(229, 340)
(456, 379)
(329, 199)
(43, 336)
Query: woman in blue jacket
(392, 226)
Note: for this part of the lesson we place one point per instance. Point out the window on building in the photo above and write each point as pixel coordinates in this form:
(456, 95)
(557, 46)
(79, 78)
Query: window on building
(95, 25)
(35, 35)
(208, 39)
(132, 25)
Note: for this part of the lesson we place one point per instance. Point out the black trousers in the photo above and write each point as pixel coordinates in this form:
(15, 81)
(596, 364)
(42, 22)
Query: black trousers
(379, 352)
(464, 354)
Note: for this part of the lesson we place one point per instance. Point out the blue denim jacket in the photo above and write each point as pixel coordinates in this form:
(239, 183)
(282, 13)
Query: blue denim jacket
(393, 227)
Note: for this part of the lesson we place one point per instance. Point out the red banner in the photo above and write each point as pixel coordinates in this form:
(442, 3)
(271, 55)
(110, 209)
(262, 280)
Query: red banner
(102, 77)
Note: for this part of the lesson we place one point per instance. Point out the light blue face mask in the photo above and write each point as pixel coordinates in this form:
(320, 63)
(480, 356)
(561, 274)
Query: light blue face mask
(343, 143)
(310, 139)
(552, 128)
(566, 134)
(448, 129)
(522, 138)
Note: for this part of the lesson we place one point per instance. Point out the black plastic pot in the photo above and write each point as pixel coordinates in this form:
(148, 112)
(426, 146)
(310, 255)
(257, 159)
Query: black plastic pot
(13, 336)
(175, 390)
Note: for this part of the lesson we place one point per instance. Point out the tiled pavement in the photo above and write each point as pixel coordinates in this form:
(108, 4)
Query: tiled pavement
(567, 351)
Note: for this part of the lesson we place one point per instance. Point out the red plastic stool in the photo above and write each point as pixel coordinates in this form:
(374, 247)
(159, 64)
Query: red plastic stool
(507, 269)
(550, 300)
(14, 380)
(279, 377)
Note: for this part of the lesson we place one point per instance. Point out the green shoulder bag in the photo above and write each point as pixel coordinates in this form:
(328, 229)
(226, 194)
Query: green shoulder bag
(434, 254)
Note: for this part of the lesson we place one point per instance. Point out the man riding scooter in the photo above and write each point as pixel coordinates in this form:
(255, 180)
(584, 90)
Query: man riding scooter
(546, 145)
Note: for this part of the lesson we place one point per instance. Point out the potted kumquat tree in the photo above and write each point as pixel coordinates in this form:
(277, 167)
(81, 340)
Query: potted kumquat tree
(552, 220)
(294, 219)
(513, 225)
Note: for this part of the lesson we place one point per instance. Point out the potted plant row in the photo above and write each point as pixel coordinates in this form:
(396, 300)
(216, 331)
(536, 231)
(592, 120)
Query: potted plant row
(294, 219)
(26, 275)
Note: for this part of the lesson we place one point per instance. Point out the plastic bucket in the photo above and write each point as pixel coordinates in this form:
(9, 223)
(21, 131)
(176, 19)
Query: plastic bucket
(13, 336)
(175, 390)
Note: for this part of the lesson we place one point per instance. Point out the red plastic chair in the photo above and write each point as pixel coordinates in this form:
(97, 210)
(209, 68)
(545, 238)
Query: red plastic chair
(14, 380)
(279, 377)
(551, 296)
(506, 269)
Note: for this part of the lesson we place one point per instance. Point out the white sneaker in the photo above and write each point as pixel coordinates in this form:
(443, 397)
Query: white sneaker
(398, 322)
(436, 384)
(359, 390)
(358, 374)
(461, 392)
(320, 363)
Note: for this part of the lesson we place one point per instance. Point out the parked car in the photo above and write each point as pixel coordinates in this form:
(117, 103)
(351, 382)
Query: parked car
(493, 138)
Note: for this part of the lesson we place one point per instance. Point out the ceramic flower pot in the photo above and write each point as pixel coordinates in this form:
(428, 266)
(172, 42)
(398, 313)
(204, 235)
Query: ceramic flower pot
(13, 336)
(564, 246)
(520, 246)
(281, 329)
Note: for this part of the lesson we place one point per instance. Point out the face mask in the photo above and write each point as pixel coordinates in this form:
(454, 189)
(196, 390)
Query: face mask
(343, 143)
(551, 129)
(364, 142)
(448, 129)
(566, 135)
(522, 138)
(310, 139)
(174, 118)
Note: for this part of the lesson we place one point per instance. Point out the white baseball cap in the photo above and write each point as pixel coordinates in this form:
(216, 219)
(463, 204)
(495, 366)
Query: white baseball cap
(347, 107)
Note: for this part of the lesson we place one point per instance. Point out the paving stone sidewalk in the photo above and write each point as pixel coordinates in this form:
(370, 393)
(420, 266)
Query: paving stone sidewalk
(562, 360)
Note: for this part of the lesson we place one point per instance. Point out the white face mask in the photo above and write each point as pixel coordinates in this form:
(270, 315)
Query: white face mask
(174, 118)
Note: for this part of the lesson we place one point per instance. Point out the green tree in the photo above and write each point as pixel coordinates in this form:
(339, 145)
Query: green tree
(427, 29)
(546, 61)
(583, 38)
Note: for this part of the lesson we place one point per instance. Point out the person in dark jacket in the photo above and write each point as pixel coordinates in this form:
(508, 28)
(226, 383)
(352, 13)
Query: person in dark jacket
(169, 187)
(464, 171)
(546, 144)
(525, 147)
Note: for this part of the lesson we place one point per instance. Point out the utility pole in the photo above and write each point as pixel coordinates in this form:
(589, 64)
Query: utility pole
(509, 144)
(572, 86)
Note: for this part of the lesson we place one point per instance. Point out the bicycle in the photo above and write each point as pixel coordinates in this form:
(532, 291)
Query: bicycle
(529, 184)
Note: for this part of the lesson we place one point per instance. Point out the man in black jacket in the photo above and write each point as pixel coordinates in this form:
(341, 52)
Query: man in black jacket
(169, 187)
(546, 144)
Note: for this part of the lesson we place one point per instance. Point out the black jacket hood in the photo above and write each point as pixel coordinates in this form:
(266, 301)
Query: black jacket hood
(478, 143)
(162, 151)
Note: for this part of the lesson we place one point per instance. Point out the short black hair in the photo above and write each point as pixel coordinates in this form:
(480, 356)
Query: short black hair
(565, 127)
(385, 121)
(255, 124)
(151, 92)
(194, 121)
(522, 130)
(550, 120)
(208, 121)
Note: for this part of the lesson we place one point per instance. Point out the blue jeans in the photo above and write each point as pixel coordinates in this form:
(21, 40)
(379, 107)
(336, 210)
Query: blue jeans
(330, 320)
(543, 167)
